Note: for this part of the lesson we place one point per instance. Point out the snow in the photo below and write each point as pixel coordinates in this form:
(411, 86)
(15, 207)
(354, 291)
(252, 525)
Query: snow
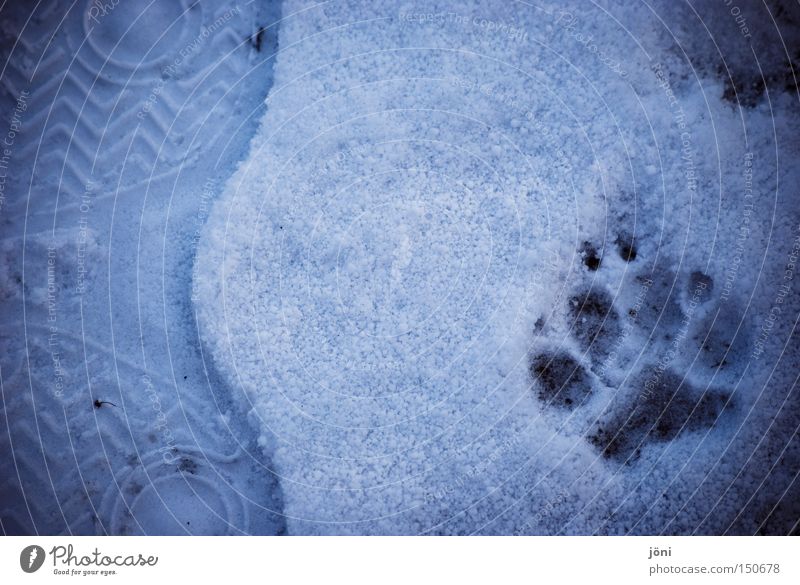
(399, 267)
(117, 152)
(407, 234)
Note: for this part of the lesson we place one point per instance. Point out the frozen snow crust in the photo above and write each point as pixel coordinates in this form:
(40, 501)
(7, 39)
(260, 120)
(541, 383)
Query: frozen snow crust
(506, 268)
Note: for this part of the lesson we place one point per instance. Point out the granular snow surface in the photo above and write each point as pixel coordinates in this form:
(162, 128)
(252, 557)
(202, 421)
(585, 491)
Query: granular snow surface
(514, 268)
(352, 267)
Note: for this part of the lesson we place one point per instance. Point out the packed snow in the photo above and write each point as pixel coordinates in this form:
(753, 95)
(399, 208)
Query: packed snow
(112, 422)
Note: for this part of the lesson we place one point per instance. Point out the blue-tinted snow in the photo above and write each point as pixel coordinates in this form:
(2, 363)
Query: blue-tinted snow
(415, 226)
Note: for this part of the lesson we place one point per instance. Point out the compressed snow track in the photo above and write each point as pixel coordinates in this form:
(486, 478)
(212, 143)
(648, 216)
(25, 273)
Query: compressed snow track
(463, 243)
(126, 120)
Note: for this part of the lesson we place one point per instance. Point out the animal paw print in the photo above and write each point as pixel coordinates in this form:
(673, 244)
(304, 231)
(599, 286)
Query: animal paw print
(656, 407)
(623, 376)
(595, 323)
(563, 382)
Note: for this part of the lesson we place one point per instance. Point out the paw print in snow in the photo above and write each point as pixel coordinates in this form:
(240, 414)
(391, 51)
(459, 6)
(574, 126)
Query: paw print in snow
(649, 400)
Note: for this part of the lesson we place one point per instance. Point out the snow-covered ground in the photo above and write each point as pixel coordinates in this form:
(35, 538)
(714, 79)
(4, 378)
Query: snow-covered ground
(401, 267)
(126, 122)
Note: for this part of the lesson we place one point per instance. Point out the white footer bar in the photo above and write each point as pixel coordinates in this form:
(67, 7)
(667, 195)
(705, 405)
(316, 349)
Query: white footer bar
(379, 560)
